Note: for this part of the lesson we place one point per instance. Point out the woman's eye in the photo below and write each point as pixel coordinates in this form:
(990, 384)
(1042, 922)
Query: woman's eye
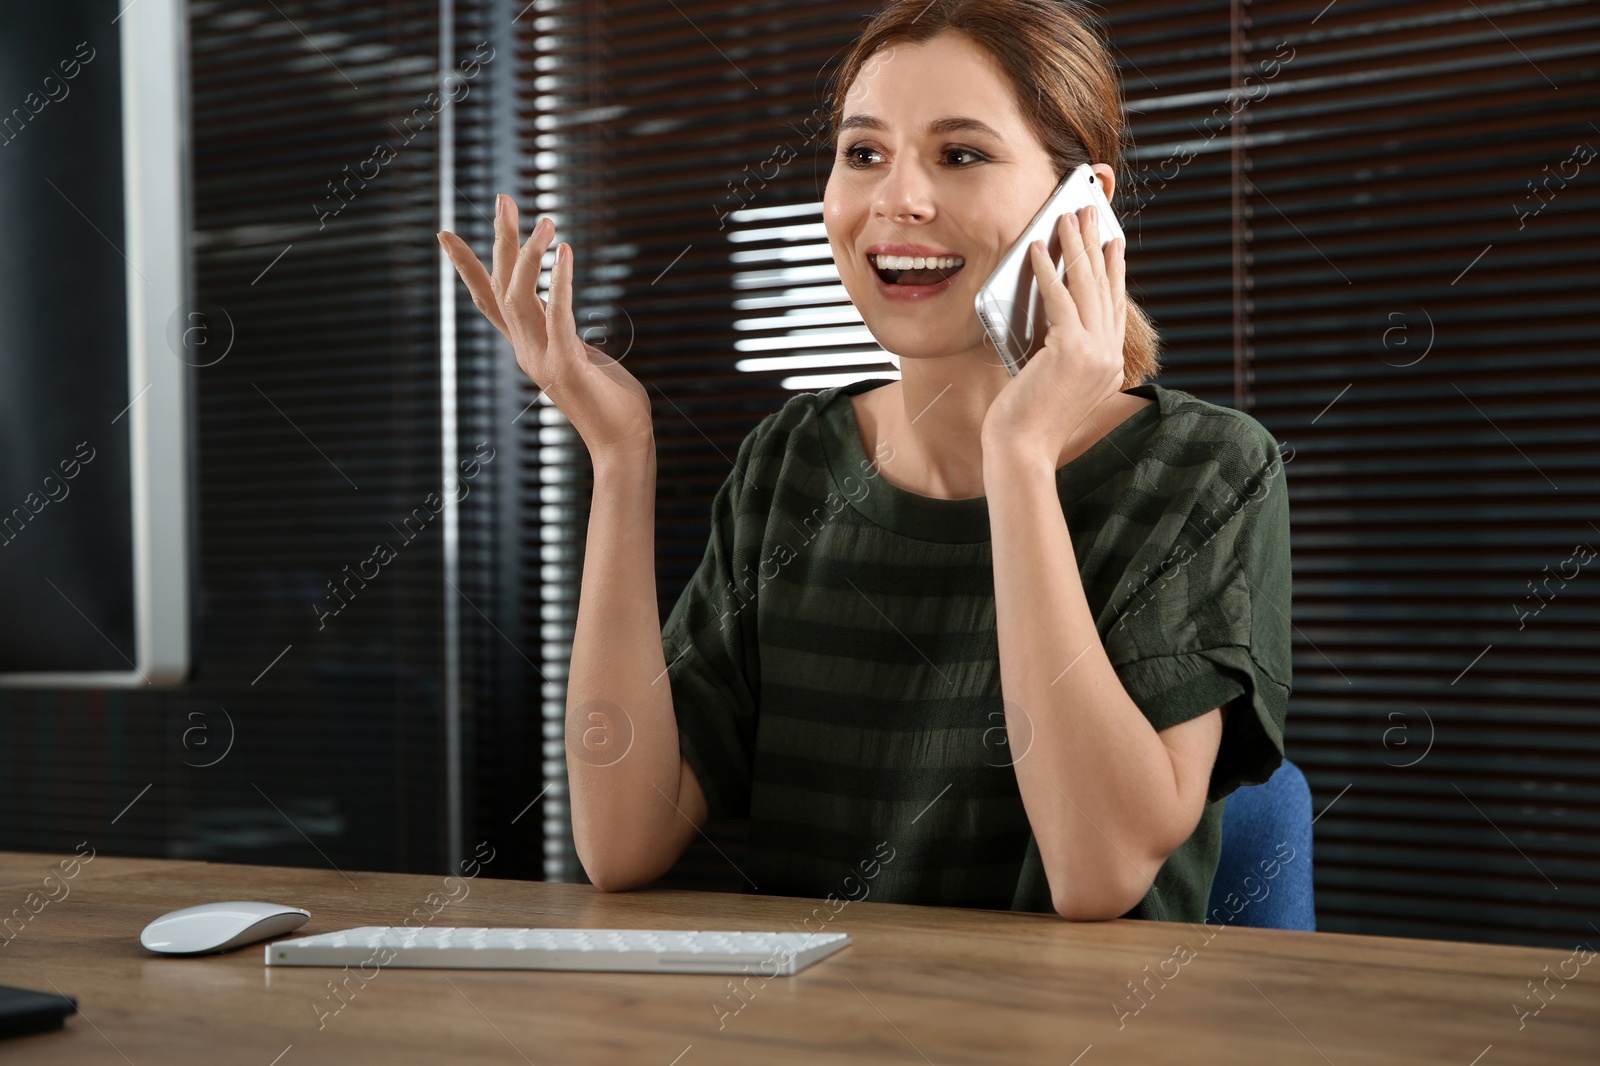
(851, 157)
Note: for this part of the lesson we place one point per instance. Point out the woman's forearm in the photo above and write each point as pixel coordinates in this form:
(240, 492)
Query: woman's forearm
(1095, 778)
(623, 761)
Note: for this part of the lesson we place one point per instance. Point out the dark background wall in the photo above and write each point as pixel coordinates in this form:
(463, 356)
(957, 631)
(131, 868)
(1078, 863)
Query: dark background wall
(1382, 246)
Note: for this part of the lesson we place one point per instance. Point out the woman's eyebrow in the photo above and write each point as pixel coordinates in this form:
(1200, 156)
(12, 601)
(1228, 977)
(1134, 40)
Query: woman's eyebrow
(938, 125)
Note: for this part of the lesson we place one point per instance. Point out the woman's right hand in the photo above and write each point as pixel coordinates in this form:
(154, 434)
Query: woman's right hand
(605, 404)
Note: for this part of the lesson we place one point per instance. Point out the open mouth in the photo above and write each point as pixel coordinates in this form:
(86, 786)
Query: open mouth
(908, 270)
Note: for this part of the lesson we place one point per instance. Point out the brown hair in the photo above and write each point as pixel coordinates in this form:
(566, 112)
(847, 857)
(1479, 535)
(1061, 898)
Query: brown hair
(1066, 85)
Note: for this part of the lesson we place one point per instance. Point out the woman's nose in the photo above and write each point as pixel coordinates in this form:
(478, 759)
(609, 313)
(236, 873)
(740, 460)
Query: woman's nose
(904, 195)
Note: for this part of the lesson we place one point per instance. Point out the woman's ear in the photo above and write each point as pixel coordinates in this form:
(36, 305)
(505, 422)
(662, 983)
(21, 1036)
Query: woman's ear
(1108, 180)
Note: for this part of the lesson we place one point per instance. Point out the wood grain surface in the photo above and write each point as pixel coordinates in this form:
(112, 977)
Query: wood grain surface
(918, 985)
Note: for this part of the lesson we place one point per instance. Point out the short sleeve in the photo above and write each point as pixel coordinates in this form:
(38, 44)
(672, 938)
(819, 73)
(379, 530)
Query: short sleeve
(709, 641)
(1206, 623)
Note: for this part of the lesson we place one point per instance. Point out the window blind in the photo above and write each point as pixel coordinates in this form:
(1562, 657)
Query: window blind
(1419, 325)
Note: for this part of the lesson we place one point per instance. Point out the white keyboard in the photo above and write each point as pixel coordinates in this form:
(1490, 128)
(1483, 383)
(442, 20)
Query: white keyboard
(635, 950)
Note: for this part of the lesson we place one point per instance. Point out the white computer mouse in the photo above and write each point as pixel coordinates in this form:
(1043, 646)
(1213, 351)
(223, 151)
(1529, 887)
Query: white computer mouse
(220, 926)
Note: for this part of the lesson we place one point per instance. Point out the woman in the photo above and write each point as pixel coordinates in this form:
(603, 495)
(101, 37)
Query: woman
(887, 558)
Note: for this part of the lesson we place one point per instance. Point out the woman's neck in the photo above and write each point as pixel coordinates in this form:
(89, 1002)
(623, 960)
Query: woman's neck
(932, 421)
(932, 418)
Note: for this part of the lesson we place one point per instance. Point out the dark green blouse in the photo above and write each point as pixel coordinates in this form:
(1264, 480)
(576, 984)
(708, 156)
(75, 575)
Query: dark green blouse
(835, 673)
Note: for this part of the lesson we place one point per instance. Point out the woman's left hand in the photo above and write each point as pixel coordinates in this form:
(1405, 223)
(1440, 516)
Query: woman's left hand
(1052, 399)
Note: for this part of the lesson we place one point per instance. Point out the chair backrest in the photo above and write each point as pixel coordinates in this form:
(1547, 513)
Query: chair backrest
(1264, 875)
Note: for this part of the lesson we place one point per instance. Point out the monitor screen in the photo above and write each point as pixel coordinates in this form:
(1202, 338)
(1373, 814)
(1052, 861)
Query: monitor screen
(94, 442)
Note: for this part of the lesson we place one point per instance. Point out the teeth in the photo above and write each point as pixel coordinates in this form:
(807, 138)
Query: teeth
(906, 262)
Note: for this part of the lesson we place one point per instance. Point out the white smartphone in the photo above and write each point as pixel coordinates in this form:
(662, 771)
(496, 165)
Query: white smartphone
(1009, 304)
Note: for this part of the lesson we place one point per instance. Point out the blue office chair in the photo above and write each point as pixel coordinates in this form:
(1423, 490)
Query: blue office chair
(1263, 824)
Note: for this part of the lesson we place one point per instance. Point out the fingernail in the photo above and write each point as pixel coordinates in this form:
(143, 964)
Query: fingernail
(499, 206)
(1074, 218)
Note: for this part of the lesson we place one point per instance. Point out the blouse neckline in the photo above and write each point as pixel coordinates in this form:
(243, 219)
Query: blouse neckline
(945, 521)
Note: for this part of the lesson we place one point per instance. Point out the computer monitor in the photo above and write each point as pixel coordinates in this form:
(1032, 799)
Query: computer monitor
(98, 341)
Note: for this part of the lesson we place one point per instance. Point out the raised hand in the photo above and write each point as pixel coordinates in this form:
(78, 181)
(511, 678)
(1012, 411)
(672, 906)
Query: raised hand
(605, 404)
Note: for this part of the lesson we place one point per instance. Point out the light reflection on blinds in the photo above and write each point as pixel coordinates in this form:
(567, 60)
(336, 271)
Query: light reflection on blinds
(819, 328)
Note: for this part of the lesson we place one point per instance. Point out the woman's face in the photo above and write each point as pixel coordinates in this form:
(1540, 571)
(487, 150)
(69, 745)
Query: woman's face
(901, 187)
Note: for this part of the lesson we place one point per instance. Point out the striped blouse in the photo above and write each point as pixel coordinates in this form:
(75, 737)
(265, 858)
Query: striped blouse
(836, 678)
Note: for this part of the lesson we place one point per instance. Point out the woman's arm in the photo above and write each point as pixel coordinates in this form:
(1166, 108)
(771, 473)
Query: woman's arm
(631, 817)
(633, 810)
(637, 807)
(1108, 798)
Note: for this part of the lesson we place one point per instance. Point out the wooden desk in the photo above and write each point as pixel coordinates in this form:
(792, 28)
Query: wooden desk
(918, 985)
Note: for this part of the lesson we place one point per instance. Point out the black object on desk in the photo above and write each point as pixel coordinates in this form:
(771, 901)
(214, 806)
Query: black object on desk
(23, 1010)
